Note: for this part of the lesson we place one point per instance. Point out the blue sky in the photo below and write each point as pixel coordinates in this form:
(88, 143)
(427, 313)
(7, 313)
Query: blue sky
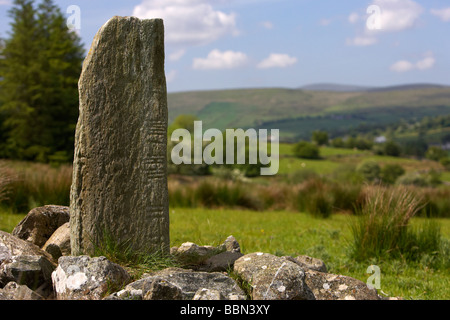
(221, 44)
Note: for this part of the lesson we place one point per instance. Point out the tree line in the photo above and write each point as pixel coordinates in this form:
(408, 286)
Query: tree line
(40, 64)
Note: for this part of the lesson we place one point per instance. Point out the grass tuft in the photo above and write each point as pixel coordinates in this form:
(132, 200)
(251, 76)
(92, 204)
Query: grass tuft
(383, 229)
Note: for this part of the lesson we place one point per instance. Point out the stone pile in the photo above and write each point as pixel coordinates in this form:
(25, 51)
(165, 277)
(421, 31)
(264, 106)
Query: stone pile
(35, 264)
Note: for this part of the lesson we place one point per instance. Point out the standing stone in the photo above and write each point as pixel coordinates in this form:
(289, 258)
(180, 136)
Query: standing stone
(119, 187)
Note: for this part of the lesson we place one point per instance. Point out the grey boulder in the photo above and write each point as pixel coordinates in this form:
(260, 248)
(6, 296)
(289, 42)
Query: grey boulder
(85, 278)
(40, 223)
(272, 277)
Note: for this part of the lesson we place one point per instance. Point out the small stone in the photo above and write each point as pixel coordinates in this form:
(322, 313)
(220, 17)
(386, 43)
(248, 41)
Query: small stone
(208, 294)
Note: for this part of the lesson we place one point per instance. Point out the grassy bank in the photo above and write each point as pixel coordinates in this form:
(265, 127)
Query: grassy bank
(292, 233)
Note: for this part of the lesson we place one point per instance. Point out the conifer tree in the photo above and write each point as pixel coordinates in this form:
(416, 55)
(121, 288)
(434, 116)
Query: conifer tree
(40, 70)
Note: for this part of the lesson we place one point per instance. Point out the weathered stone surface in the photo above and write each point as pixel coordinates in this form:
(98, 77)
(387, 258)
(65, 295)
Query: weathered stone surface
(208, 258)
(207, 294)
(309, 263)
(61, 239)
(191, 254)
(230, 244)
(220, 262)
(327, 286)
(11, 246)
(161, 289)
(272, 277)
(175, 282)
(120, 163)
(14, 291)
(32, 271)
(85, 278)
(40, 223)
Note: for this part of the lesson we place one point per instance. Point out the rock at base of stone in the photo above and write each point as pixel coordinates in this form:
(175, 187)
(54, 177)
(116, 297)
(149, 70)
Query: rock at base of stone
(85, 278)
(40, 223)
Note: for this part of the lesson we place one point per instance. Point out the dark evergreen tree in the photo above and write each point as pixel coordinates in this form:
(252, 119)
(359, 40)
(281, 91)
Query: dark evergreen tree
(40, 70)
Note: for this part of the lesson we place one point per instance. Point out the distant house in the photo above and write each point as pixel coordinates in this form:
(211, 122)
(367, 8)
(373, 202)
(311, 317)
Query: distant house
(380, 139)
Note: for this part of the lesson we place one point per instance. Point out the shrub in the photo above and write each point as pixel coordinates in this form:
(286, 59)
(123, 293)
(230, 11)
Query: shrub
(392, 149)
(338, 143)
(435, 153)
(306, 150)
(320, 137)
(347, 172)
(446, 163)
(314, 198)
(436, 202)
(370, 170)
(212, 194)
(383, 229)
(432, 178)
(363, 144)
(346, 197)
(391, 172)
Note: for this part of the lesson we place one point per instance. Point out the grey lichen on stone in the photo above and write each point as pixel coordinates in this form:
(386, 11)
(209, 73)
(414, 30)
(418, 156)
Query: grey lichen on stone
(120, 168)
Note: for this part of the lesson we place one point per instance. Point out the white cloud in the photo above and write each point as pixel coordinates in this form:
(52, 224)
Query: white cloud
(443, 14)
(221, 60)
(267, 24)
(325, 22)
(188, 22)
(402, 66)
(276, 60)
(170, 76)
(426, 63)
(362, 41)
(353, 18)
(384, 16)
(398, 15)
(5, 2)
(175, 56)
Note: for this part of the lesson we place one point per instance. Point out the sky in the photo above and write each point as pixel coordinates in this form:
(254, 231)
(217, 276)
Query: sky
(227, 44)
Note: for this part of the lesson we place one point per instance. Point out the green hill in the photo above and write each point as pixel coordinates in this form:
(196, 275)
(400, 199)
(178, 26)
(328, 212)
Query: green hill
(298, 112)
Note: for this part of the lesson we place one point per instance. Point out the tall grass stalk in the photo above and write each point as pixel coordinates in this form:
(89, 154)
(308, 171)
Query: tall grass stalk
(38, 184)
(6, 179)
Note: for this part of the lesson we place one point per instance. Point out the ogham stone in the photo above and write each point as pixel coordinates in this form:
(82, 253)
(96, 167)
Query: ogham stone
(119, 187)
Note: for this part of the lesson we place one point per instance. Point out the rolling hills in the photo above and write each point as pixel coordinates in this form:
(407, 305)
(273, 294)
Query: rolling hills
(297, 112)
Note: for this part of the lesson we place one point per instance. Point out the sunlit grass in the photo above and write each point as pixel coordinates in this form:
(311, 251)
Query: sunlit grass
(291, 233)
(9, 220)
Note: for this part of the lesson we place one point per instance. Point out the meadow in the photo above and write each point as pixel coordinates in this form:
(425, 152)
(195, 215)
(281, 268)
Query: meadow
(312, 207)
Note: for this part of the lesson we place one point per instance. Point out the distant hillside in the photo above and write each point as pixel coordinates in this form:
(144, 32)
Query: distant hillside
(299, 112)
(417, 86)
(335, 87)
(351, 88)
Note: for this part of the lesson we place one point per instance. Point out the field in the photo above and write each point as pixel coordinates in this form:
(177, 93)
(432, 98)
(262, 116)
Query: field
(264, 216)
(293, 233)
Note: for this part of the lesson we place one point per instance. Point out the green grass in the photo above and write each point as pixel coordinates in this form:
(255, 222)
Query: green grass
(289, 233)
(9, 220)
(292, 233)
(334, 158)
